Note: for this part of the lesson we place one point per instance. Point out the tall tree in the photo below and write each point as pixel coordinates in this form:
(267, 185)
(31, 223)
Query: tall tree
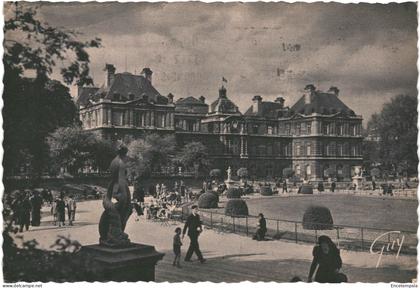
(194, 155)
(73, 148)
(34, 104)
(396, 129)
(151, 153)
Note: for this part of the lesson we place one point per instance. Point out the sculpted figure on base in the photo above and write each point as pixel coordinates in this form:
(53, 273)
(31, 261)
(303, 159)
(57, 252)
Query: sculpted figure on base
(117, 205)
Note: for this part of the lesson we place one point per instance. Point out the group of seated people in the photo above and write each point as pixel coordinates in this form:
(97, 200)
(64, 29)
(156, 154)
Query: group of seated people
(158, 209)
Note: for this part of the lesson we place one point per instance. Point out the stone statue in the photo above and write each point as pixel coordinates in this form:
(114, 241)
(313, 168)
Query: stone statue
(117, 205)
(229, 173)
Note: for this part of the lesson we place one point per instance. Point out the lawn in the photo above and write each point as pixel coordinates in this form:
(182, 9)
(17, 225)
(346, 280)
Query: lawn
(384, 213)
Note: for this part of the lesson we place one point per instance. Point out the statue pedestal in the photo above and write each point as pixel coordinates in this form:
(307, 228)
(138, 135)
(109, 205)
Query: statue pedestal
(134, 263)
(229, 183)
(358, 181)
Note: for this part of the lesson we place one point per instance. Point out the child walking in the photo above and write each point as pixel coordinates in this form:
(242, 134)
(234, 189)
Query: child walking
(177, 247)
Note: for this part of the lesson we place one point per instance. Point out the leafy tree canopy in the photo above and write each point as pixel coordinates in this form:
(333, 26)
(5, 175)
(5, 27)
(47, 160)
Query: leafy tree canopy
(396, 128)
(242, 172)
(151, 153)
(35, 104)
(194, 154)
(74, 148)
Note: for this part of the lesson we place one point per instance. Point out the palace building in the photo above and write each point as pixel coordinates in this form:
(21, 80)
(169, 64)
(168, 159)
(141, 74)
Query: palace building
(318, 132)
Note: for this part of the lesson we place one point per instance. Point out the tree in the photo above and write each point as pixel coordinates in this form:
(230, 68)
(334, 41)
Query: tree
(73, 148)
(396, 130)
(375, 172)
(151, 153)
(194, 155)
(242, 173)
(288, 172)
(215, 174)
(36, 106)
(330, 172)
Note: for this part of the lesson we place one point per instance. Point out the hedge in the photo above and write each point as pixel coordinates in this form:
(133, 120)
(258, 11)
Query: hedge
(247, 190)
(266, 191)
(306, 189)
(317, 218)
(208, 200)
(236, 207)
(233, 193)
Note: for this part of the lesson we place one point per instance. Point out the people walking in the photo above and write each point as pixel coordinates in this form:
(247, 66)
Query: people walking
(193, 225)
(24, 208)
(61, 211)
(327, 258)
(71, 209)
(36, 205)
(320, 186)
(177, 243)
(285, 186)
(333, 185)
(54, 211)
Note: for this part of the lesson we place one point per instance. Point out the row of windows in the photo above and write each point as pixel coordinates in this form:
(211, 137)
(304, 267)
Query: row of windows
(96, 118)
(188, 125)
(328, 149)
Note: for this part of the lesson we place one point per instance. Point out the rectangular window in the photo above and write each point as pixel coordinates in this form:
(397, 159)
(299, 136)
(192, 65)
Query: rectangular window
(309, 128)
(288, 129)
(117, 117)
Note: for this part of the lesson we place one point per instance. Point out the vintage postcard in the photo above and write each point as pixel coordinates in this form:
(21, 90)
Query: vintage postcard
(220, 142)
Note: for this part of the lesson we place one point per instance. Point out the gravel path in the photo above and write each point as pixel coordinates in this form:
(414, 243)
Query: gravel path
(231, 258)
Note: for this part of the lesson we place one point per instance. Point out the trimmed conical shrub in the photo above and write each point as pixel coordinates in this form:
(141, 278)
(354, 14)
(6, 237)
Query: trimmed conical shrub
(208, 200)
(236, 207)
(233, 193)
(317, 218)
(266, 190)
(306, 189)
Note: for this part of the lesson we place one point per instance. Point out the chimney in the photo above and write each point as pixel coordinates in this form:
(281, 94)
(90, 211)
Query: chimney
(170, 98)
(309, 93)
(147, 73)
(110, 74)
(256, 106)
(334, 90)
(202, 99)
(222, 92)
(280, 100)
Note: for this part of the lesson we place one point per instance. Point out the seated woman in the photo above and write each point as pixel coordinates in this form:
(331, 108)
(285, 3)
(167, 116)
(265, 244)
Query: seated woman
(261, 228)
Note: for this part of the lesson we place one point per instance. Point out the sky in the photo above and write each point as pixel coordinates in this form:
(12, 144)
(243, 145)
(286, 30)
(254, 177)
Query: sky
(368, 51)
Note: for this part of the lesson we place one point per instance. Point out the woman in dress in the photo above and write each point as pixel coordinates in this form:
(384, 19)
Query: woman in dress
(262, 228)
(327, 258)
(61, 211)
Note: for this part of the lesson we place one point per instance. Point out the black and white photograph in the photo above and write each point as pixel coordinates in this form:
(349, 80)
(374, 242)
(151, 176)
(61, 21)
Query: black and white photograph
(214, 142)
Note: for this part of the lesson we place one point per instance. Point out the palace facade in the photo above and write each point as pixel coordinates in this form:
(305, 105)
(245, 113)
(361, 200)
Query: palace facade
(318, 132)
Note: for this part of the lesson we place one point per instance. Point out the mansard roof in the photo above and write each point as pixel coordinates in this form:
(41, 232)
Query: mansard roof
(190, 100)
(321, 103)
(191, 105)
(125, 86)
(85, 93)
(269, 110)
(126, 83)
